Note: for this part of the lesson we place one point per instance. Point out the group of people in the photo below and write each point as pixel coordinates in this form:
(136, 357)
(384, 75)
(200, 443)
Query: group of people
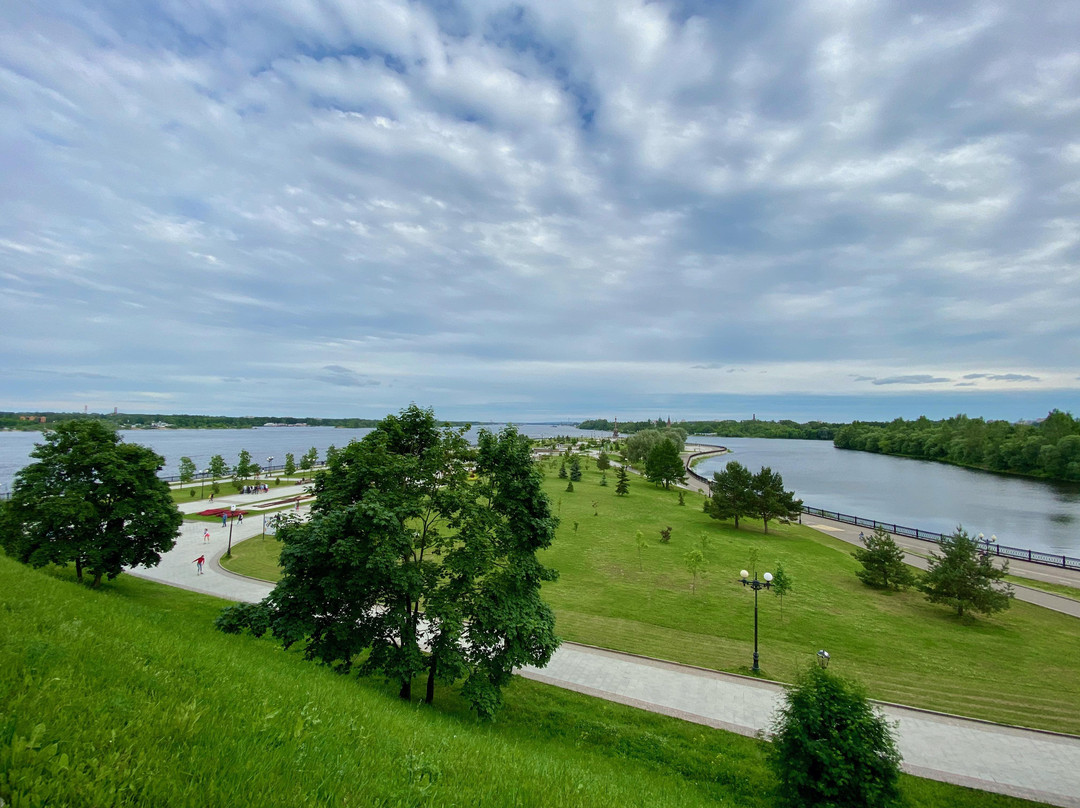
(261, 488)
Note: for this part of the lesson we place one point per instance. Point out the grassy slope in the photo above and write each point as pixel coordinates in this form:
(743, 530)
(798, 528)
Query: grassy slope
(127, 696)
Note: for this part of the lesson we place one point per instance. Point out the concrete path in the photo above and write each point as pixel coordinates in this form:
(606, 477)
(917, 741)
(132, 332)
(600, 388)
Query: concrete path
(1032, 764)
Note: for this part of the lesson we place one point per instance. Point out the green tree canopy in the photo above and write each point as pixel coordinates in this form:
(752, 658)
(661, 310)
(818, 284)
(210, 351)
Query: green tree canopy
(290, 464)
(664, 464)
(965, 578)
(731, 493)
(187, 470)
(771, 501)
(92, 500)
(218, 467)
(622, 482)
(243, 468)
(575, 469)
(830, 747)
(641, 443)
(883, 562)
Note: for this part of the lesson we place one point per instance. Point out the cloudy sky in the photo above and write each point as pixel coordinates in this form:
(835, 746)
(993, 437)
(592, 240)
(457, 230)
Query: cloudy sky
(541, 210)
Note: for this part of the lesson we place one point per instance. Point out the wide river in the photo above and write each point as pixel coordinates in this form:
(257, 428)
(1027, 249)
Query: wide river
(1024, 513)
(931, 496)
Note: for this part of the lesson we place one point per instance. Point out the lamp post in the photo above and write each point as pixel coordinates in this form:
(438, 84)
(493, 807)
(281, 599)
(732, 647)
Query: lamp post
(757, 586)
(269, 466)
(228, 550)
(202, 481)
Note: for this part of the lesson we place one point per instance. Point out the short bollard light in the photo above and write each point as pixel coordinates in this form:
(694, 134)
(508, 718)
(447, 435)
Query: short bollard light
(757, 586)
(823, 658)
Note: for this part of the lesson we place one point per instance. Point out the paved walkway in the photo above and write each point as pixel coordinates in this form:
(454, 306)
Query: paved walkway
(1036, 765)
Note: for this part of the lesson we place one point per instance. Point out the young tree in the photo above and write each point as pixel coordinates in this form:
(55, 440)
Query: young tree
(771, 501)
(664, 465)
(331, 453)
(218, 469)
(830, 747)
(575, 469)
(966, 579)
(603, 479)
(781, 585)
(603, 462)
(622, 485)
(562, 471)
(290, 464)
(639, 540)
(309, 459)
(731, 493)
(243, 468)
(570, 486)
(883, 562)
(695, 563)
(665, 535)
(187, 470)
(92, 500)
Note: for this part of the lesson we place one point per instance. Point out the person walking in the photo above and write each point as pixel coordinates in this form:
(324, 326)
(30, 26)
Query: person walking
(240, 518)
(198, 562)
(206, 535)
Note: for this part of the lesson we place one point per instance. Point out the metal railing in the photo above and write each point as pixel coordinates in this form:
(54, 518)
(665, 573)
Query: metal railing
(1002, 550)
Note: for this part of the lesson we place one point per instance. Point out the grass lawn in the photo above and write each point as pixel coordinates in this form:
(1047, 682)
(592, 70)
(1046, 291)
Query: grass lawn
(1019, 667)
(1046, 586)
(256, 557)
(127, 696)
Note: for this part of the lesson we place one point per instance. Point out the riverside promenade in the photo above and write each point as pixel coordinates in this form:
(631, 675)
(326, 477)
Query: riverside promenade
(1033, 764)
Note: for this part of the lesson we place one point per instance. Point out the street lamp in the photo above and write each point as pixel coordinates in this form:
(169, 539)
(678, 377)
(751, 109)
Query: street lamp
(202, 481)
(757, 586)
(823, 658)
(228, 550)
(269, 465)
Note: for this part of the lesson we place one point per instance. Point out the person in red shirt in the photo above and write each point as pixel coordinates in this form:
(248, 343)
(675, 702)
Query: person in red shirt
(199, 564)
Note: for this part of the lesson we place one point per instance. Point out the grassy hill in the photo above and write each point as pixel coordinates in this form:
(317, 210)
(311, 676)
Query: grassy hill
(128, 696)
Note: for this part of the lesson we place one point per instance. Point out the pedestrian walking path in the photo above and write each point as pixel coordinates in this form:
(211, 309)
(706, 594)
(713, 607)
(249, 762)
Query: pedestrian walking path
(1033, 764)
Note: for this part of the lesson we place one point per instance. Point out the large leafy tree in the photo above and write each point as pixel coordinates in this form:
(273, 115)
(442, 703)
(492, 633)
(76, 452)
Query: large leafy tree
(883, 562)
(732, 493)
(770, 499)
(218, 468)
(91, 500)
(397, 528)
(663, 465)
(830, 747)
(641, 443)
(965, 578)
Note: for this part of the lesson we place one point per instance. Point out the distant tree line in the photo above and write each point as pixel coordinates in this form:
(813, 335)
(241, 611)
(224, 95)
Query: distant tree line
(32, 420)
(811, 430)
(1049, 448)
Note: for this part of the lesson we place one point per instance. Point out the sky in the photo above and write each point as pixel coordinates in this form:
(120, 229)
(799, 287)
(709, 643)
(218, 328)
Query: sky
(554, 210)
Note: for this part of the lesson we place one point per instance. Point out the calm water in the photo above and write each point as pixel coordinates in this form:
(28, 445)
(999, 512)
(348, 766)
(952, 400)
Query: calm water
(1022, 513)
(932, 496)
(202, 444)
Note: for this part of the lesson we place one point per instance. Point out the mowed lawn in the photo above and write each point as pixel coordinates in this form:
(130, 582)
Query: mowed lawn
(1020, 667)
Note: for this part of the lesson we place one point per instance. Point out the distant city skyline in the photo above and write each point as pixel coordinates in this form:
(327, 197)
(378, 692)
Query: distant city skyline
(541, 210)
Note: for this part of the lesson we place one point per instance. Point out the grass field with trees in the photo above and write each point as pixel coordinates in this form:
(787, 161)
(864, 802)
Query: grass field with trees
(127, 696)
(1019, 667)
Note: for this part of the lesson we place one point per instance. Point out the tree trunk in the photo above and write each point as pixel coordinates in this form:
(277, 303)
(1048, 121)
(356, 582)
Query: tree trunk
(406, 690)
(78, 570)
(736, 521)
(97, 580)
(429, 697)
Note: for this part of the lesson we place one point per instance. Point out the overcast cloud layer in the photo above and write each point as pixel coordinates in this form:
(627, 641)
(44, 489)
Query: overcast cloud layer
(538, 210)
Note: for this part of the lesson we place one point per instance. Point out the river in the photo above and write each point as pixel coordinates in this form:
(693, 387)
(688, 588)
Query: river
(1035, 514)
(1022, 513)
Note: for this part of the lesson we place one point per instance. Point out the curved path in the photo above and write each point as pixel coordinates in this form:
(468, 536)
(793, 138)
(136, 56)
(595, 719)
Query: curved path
(1037, 765)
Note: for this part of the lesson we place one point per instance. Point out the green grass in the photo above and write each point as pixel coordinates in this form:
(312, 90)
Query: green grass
(1046, 586)
(128, 696)
(901, 647)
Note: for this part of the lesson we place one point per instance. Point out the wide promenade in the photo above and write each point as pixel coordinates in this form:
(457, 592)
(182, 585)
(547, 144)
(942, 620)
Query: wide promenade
(1038, 765)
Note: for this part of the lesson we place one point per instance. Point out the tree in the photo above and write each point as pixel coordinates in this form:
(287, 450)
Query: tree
(639, 540)
(731, 493)
(781, 585)
(331, 453)
(695, 563)
(397, 528)
(290, 464)
(603, 462)
(770, 499)
(570, 486)
(575, 469)
(883, 562)
(562, 471)
(641, 443)
(218, 469)
(187, 470)
(830, 747)
(664, 465)
(309, 459)
(243, 468)
(92, 500)
(603, 479)
(966, 579)
(622, 485)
